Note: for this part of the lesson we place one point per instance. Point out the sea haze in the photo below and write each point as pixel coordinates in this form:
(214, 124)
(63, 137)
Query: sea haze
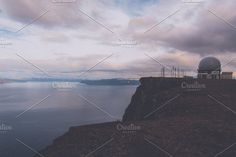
(61, 109)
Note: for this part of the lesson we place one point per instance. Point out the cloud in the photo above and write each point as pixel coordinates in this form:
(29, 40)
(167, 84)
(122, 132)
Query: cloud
(178, 39)
(57, 37)
(67, 15)
(27, 10)
(211, 30)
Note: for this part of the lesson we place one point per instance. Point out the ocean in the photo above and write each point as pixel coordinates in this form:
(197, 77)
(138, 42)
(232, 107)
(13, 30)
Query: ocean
(33, 114)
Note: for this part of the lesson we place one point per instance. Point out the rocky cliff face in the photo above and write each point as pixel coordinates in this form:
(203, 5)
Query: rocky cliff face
(159, 98)
(166, 117)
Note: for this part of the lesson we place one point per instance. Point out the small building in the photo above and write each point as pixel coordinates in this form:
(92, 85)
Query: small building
(227, 75)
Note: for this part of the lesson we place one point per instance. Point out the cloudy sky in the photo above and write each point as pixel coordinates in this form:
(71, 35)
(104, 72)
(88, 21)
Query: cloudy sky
(113, 38)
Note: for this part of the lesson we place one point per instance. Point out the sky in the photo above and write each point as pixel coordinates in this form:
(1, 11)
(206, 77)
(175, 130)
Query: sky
(113, 38)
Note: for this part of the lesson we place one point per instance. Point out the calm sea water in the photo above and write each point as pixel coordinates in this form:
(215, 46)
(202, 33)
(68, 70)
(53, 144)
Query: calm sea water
(33, 114)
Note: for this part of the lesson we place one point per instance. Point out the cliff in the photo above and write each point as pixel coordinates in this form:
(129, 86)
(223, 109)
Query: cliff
(166, 117)
(158, 98)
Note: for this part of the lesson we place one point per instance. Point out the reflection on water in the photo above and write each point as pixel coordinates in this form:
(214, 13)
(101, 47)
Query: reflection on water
(37, 122)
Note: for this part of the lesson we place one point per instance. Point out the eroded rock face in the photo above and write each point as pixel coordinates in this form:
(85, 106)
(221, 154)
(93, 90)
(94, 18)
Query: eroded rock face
(166, 117)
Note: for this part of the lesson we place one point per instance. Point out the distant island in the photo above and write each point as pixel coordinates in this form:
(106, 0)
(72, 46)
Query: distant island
(112, 82)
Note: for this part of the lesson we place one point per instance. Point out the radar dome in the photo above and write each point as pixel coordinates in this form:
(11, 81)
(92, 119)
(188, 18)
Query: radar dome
(209, 64)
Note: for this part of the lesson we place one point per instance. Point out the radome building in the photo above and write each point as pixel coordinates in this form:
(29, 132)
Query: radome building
(210, 68)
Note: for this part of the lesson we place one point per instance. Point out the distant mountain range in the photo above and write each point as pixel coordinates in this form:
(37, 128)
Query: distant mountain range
(113, 82)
